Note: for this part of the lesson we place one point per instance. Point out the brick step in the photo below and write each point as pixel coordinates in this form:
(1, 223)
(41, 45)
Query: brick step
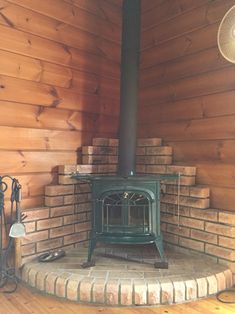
(194, 202)
(99, 159)
(99, 150)
(193, 191)
(89, 169)
(171, 169)
(154, 160)
(114, 142)
(57, 190)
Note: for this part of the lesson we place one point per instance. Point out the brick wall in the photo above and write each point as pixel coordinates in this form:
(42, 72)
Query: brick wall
(190, 225)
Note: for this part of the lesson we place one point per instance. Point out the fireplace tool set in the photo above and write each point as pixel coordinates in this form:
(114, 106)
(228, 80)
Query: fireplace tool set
(11, 227)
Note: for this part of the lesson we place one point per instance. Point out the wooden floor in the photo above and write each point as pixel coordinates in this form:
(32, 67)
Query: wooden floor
(25, 301)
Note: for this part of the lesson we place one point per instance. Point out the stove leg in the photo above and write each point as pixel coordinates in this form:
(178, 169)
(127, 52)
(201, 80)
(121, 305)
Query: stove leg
(159, 245)
(90, 262)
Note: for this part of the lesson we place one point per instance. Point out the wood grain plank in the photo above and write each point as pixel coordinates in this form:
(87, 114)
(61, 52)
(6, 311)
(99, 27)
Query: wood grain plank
(193, 42)
(203, 84)
(27, 68)
(29, 116)
(40, 48)
(210, 150)
(102, 8)
(74, 16)
(186, 22)
(36, 139)
(34, 161)
(30, 299)
(201, 62)
(32, 22)
(202, 129)
(24, 91)
(157, 12)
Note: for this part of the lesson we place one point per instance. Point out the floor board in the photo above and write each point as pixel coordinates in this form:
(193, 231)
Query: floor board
(26, 301)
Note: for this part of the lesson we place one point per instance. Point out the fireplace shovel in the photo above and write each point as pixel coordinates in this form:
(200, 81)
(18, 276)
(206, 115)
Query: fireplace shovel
(17, 229)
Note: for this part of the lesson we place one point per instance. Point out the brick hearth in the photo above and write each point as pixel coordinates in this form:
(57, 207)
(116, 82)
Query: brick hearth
(118, 282)
(64, 222)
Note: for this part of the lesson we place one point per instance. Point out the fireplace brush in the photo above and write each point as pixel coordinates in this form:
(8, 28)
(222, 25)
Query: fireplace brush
(17, 229)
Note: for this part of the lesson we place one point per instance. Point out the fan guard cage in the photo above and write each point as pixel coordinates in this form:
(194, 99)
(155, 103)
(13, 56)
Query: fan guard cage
(226, 35)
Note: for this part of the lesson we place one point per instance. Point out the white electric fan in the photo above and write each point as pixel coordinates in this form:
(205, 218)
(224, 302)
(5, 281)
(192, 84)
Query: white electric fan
(226, 35)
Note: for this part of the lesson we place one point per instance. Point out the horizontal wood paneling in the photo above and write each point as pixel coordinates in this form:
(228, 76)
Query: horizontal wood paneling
(31, 22)
(187, 91)
(73, 15)
(59, 85)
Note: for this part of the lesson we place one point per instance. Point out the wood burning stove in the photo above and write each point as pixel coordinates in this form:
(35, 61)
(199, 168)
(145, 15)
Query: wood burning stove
(126, 207)
(127, 211)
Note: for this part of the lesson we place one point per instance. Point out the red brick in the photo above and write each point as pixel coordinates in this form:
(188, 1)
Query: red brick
(75, 237)
(35, 237)
(227, 242)
(50, 282)
(154, 290)
(166, 292)
(192, 244)
(67, 169)
(204, 236)
(28, 249)
(83, 226)
(221, 281)
(30, 226)
(227, 218)
(61, 231)
(98, 291)
(36, 214)
(191, 289)
(72, 287)
(178, 230)
(217, 251)
(140, 292)
(54, 200)
(56, 190)
(49, 244)
(49, 223)
(202, 287)
(82, 188)
(112, 292)
(220, 229)
(183, 170)
(32, 277)
(149, 142)
(66, 179)
(85, 289)
(199, 191)
(126, 292)
(60, 285)
(208, 214)
(193, 223)
(140, 151)
(61, 210)
(179, 291)
(171, 238)
(75, 218)
(100, 141)
(212, 284)
(158, 169)
(159, 150)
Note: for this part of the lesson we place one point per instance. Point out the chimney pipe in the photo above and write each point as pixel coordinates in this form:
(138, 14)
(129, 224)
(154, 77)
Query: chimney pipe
(129, 87)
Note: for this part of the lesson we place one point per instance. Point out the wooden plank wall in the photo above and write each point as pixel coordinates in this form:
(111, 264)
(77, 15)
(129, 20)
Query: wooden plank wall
(187, 92)
(59, 85)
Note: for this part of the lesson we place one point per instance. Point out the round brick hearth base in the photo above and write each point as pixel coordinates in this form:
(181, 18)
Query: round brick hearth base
(115, 281)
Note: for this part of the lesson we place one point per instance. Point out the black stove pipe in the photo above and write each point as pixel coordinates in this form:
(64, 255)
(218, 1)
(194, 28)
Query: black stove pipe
(129, 87)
